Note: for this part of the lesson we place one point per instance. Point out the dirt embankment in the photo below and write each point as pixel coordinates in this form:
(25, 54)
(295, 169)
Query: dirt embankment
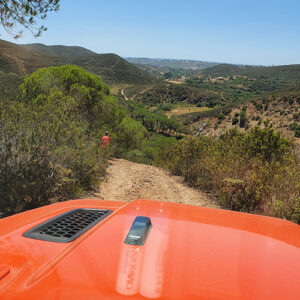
(126, 181)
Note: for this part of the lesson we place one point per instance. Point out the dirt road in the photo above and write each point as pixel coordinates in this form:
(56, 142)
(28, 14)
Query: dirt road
(122, 92)
(128, 181)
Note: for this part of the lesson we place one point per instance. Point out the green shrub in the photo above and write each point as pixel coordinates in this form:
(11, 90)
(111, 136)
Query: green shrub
(50, 141)
(46, 152)
(266, 143)
(220, 116)
(254, 172)
(293, 126)
(235, 121)
(243, 119)
(147, 151)
(259, 106)
(165, 106)
(259, 121)
(227, 111)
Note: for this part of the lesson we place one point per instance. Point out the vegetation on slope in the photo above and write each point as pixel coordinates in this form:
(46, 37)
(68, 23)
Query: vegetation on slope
(252, 172)
(59, 50)
(172, 63)
(172, 93)
(155, 120)
(112, 68)
(287, 73)
(50, 137)
(281, 107)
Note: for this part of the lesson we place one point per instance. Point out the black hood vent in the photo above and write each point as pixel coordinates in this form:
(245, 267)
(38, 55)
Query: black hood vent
(67, 226)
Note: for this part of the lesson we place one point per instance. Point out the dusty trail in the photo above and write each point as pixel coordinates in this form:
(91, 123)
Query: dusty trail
(122, 92)
(128, 181)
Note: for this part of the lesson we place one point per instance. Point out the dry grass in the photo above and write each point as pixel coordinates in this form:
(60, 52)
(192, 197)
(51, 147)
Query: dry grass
(176, 81)
(185, 110)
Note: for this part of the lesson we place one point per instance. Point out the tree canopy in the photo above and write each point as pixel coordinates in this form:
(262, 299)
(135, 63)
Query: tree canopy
(26, 13)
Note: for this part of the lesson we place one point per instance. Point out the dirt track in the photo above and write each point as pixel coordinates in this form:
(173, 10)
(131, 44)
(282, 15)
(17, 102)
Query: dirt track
(128, 181)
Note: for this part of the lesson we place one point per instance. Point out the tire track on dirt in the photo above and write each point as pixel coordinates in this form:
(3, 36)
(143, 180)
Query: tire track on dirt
(126, 181)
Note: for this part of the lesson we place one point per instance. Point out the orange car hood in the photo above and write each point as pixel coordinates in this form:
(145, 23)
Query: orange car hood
(190, 253)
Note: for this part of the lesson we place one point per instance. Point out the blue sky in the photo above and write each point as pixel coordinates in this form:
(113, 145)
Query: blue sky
(232, 31)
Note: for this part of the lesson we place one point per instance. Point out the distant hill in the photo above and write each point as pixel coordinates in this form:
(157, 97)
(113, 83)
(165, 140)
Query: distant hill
(59, 50)
(280, 107)
(172, 63)
(289, 72)
(112, 68)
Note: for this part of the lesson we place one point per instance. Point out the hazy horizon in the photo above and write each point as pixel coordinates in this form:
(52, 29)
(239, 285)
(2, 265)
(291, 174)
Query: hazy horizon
(143, 57)
(247, 33)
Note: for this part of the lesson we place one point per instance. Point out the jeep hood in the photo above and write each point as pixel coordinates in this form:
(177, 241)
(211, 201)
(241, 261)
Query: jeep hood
(190, 253)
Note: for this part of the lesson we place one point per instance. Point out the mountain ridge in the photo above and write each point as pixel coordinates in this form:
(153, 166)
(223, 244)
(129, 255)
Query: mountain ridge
(187, 64)
(15, 58)
(59, 50)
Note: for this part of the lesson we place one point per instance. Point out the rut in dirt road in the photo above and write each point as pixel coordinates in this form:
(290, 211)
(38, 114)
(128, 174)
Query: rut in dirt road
(126, 181)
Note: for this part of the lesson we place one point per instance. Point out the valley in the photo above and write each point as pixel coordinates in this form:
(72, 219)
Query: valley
(230, 131)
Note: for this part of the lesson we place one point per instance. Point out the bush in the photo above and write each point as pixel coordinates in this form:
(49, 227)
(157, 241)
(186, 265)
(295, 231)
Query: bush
(243, 119)
(46, 152)
(227, 111)
(148, 150)
(165, 106)
(293, 126)
(235, 121)
(50, 141)
(259, 121)
(266, 143)
(259, 106)
(254, 172)
(220, 116)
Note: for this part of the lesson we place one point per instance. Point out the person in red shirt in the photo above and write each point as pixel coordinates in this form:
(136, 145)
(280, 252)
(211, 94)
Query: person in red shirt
(105, 140)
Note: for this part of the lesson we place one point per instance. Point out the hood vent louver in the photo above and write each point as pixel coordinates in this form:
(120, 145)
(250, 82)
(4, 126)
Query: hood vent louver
(67, 226)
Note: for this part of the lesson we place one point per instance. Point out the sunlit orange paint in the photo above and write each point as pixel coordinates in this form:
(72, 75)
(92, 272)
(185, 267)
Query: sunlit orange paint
(191, 253)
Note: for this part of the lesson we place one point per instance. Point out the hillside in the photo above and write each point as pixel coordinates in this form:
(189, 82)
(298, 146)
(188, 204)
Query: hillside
(285, 72)
(59, 50)
(111, 67)
(172, 63)
(281, 108)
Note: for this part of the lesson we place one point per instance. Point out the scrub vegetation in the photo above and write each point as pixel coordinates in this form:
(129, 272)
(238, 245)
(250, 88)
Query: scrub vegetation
(254, 172)
(50, 132)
